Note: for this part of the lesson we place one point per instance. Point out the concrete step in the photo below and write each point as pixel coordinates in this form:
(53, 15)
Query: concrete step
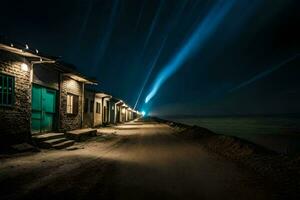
(47, 136)
(52, 140)
(81, 134)
(55, 141)
(64, 144)
(47, 144)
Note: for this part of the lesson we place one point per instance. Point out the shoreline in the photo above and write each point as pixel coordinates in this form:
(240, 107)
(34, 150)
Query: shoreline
(281, 135)
(283, 169)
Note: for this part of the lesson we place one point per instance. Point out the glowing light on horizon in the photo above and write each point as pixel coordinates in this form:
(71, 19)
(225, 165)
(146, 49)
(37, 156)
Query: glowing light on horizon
(194, 43)
(143, 113)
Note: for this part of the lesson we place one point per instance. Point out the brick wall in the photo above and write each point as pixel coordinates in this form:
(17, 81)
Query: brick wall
(70, 121)
(15, 120)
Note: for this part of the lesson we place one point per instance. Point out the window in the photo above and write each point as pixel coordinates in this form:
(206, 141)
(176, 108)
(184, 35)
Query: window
(69, 104)
(86, 105)
(72, 104)
(7, 84)
(98, 108)
(92, 106)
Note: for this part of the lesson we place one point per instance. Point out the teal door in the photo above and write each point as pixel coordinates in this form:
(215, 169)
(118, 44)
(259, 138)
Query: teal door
(43, 109)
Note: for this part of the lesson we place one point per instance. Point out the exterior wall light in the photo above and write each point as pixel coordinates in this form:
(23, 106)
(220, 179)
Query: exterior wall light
(24, 67)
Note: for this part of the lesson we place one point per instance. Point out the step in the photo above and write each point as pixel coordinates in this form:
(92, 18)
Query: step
(47, 144)
(55, 141)
(47, 136)
(64, 144)
(81, 134)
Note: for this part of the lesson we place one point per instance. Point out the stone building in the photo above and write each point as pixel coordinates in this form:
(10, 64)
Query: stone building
(15, 98)
(37, 94)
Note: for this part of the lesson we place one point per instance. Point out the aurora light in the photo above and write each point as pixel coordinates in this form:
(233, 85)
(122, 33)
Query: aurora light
(194, 43)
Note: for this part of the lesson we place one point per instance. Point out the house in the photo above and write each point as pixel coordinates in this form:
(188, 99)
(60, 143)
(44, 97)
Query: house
(106, 106)
(114, 110)
(38, 94)
(124, 113)
(96, 108)
(130, 114)
(91, 117)
(118, 111)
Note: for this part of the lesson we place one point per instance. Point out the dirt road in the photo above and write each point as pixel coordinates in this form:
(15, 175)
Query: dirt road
(141, 161)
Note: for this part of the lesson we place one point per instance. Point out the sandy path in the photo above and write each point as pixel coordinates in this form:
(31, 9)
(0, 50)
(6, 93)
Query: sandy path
(145, 161)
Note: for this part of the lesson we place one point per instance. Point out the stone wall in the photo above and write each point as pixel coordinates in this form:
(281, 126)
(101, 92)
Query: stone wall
(70, 121)
(15, 120)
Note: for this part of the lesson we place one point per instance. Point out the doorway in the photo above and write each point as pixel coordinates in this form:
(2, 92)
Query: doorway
(43, 109)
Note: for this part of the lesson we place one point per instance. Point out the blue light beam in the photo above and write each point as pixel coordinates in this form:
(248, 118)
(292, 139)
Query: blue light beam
(195, 42)
(153, 24)
(150, 71)
(140, 15)
(264, 73)
(77, 43)
(171, 26)
(107, 35)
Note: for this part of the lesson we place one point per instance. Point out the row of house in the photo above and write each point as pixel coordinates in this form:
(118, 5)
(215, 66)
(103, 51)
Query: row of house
(41, 94)
(101, 109)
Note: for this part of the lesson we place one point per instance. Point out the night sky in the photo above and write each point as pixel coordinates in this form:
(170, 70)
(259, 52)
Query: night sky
(243, 59)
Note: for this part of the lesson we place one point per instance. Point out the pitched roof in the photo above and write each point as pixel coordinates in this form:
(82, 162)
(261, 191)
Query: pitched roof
(37, 57)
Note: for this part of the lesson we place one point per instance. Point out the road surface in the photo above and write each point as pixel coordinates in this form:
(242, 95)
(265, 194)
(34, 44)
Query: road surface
(138, 161)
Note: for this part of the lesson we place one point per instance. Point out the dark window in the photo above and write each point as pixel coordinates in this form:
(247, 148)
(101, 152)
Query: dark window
(76, 104)
(98, 108)
(7, 84)
(92, 106)
(86, 105)
(72, 104)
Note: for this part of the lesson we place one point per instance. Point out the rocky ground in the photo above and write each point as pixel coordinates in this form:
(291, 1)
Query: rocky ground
(149, 159)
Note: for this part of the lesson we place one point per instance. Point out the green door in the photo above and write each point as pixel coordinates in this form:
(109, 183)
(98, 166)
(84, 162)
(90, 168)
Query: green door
(43, 109)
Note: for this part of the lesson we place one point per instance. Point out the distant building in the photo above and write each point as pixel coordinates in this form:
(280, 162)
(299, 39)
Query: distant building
(96, 108)
(114, 110)
(124, 113)
(102, 109)
(118, 111)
